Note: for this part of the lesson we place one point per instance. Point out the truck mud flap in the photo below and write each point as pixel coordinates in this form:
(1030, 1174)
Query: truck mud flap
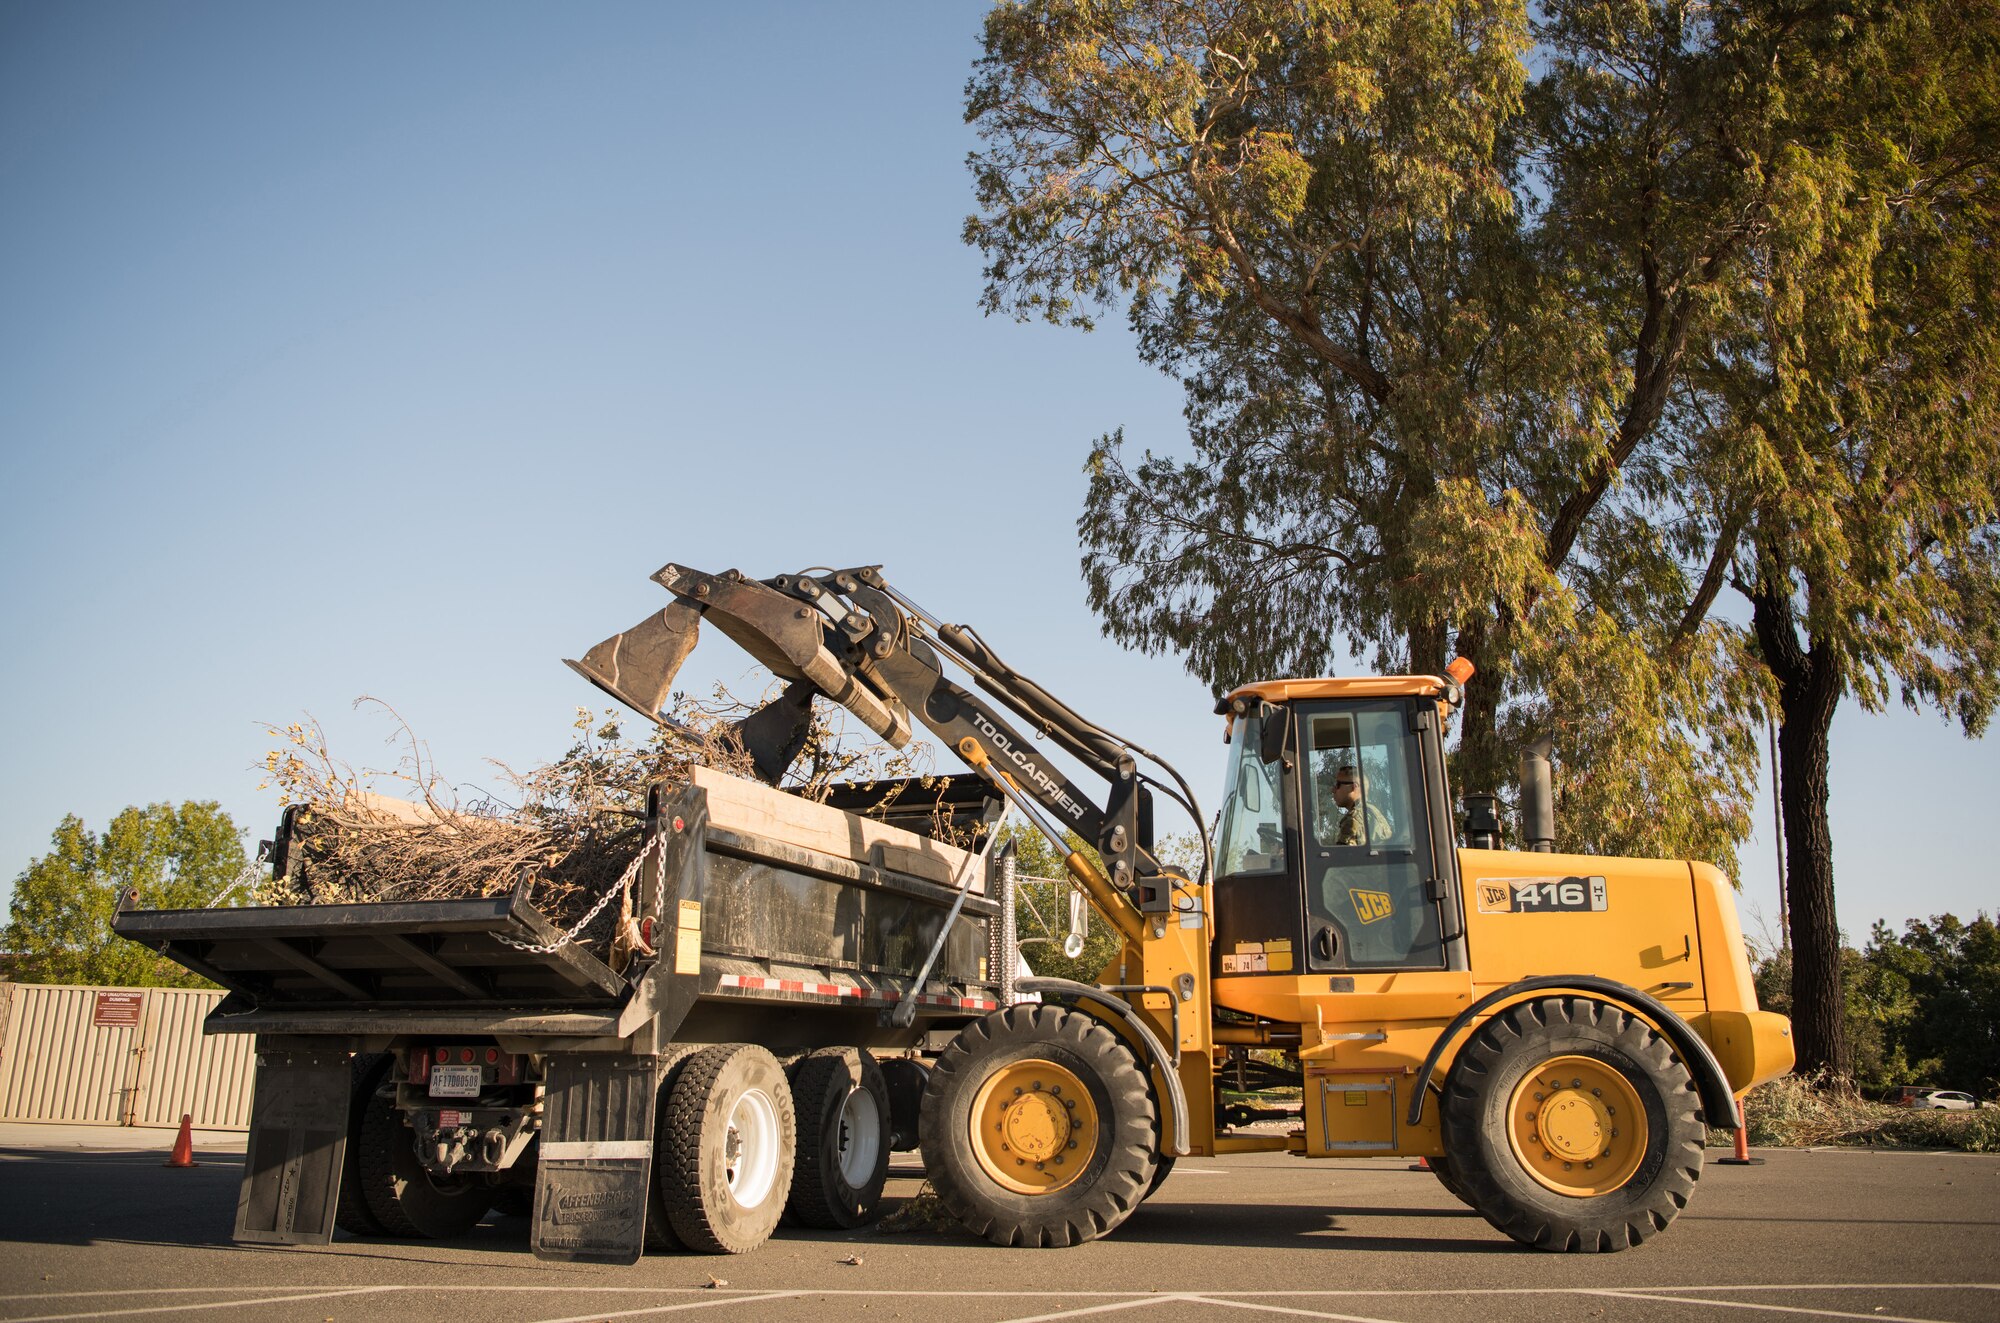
(596, 1157)
(298, 1135)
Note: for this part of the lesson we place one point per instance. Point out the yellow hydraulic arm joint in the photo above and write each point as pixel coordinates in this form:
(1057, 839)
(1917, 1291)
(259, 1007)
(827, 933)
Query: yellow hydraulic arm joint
(1120, 912)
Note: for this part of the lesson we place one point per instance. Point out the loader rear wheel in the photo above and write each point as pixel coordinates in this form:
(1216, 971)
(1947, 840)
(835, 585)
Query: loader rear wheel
(1573, 1126)
(842, 1162)
(1038, 1128)
(1441, 1168)
(405, 1198)
(351, 1212)
(725, 1151)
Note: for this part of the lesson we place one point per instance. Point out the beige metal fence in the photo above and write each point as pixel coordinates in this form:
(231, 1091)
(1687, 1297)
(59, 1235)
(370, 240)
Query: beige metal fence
(121, 1056)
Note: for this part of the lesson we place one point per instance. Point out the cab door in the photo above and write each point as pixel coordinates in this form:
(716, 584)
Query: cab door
(1378, 871)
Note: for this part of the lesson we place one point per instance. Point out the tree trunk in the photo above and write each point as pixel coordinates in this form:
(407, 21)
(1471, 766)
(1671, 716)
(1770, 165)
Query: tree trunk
(1809, 688)
(1480, 765)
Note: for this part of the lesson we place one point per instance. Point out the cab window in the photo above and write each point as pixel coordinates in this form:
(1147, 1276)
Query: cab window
(1368, 902)
(1252, 836)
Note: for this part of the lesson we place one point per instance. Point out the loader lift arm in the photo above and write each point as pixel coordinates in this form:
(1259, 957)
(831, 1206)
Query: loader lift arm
(852, 637)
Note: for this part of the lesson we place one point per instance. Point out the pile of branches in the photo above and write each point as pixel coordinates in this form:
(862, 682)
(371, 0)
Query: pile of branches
(572, 828)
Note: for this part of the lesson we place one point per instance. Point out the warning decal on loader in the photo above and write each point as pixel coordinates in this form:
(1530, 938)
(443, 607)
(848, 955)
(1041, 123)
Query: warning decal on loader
(1540, 895)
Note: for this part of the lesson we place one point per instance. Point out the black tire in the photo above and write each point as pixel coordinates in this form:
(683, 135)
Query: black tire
(725, 1155)
(659, 1226)
(513, 1200)
(351, 1212)
(405, 1199)
(1517, 1178)
(1441, 1168)
(1021, 1196)
(842, 1104)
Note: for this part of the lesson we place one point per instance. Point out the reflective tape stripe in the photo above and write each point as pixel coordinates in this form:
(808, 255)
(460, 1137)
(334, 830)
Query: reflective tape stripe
(847, 992)
(596, 1148)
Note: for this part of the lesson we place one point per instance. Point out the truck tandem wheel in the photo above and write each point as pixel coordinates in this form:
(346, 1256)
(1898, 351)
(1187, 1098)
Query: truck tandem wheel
(351, 1211)
(1038, 1128)
(724, 1153)
(405, 1198)
(842, 1104)
(1572, 1126)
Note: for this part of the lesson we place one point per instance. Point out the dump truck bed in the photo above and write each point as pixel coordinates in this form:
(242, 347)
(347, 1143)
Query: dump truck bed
(758, 903)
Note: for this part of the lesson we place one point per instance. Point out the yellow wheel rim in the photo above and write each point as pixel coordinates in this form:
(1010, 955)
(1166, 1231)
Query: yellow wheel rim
(1034, 1127)
(1576, 1125)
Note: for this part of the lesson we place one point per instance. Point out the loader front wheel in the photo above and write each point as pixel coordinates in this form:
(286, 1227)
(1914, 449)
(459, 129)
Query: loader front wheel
(1037, 1128)
(725, 1151)
(1572, 1126)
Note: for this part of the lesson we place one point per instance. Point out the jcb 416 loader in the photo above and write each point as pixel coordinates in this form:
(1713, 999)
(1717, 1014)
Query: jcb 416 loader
(1554, 1033)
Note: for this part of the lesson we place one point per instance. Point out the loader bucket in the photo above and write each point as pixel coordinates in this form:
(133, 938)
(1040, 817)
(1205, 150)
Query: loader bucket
(638, 666)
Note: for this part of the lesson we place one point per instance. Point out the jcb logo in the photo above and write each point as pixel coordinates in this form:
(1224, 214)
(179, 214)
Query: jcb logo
(1371, 905)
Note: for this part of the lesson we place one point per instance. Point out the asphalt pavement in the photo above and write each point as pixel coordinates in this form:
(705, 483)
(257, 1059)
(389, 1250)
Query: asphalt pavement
(94, 1228)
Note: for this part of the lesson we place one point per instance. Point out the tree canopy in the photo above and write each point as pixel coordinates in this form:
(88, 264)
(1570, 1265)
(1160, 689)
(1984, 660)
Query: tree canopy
(1428, 312)
(1527, 332)
(179, 857)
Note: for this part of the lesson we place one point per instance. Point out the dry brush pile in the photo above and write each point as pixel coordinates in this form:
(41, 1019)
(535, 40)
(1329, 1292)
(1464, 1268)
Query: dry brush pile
(571, 828)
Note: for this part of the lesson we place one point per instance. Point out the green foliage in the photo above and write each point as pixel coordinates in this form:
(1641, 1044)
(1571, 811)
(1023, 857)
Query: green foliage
(1940, 983)
(1428, 392)
(1041, 913)
(1922, 1007)
(184, 857)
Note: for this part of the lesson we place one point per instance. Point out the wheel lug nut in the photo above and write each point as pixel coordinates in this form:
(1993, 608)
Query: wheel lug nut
(1017, 1092)
(1565, 1166)
(1597, 1093)
(1576, 1084)
(1038, 1166)
(1072, 1143)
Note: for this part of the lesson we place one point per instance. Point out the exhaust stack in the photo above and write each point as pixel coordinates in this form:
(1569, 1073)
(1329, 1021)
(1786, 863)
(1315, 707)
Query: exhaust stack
(1538, 799)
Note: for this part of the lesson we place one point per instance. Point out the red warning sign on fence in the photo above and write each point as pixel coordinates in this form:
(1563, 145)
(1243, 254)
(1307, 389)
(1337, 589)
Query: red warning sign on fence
(118, 1010)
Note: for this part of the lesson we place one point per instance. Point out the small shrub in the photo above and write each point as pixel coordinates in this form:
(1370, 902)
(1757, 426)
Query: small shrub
(1803, 1113)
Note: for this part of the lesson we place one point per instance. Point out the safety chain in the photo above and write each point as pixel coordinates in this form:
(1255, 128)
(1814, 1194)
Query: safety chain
(624, 880)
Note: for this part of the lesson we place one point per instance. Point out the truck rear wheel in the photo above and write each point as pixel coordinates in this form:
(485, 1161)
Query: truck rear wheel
(351, 1212)
(1038, 1128)
(724, 1155)
(842, 1162)
(405, 1198)
(1572, 1126)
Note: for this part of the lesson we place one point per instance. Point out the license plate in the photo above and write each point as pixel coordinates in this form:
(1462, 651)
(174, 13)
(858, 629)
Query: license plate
(454, 1081)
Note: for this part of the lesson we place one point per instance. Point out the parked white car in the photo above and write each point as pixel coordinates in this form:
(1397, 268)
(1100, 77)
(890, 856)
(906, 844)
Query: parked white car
(1946, 1100)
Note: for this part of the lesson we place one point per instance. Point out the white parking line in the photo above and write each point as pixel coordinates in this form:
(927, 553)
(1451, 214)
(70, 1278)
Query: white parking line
(1140, 1303)
(211, 1304)
(1757, 1304)
(1287, 1309)
(669, 1309)
(1296, 1303)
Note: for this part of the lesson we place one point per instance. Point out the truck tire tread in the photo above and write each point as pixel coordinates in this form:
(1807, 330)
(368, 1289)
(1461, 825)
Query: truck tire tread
(821, 1195)
(695, 1193)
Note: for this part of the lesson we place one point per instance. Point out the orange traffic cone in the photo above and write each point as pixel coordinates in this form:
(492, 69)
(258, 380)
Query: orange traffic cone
(183, 1154)
(1740, 1157)
(1421, 1164)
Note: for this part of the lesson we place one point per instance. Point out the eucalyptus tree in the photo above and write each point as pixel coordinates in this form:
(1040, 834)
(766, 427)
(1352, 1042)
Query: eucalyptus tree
(1430, 314)
(1860, 397)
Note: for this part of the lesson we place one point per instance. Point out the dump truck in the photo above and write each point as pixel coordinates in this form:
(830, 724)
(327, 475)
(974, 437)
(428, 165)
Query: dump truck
(810, 986)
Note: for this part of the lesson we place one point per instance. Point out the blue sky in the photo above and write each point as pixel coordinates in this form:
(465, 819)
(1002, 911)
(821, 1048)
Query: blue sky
(386, 349)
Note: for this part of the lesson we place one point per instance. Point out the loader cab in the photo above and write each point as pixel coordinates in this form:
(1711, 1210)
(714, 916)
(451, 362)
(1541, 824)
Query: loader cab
(1334, 849)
